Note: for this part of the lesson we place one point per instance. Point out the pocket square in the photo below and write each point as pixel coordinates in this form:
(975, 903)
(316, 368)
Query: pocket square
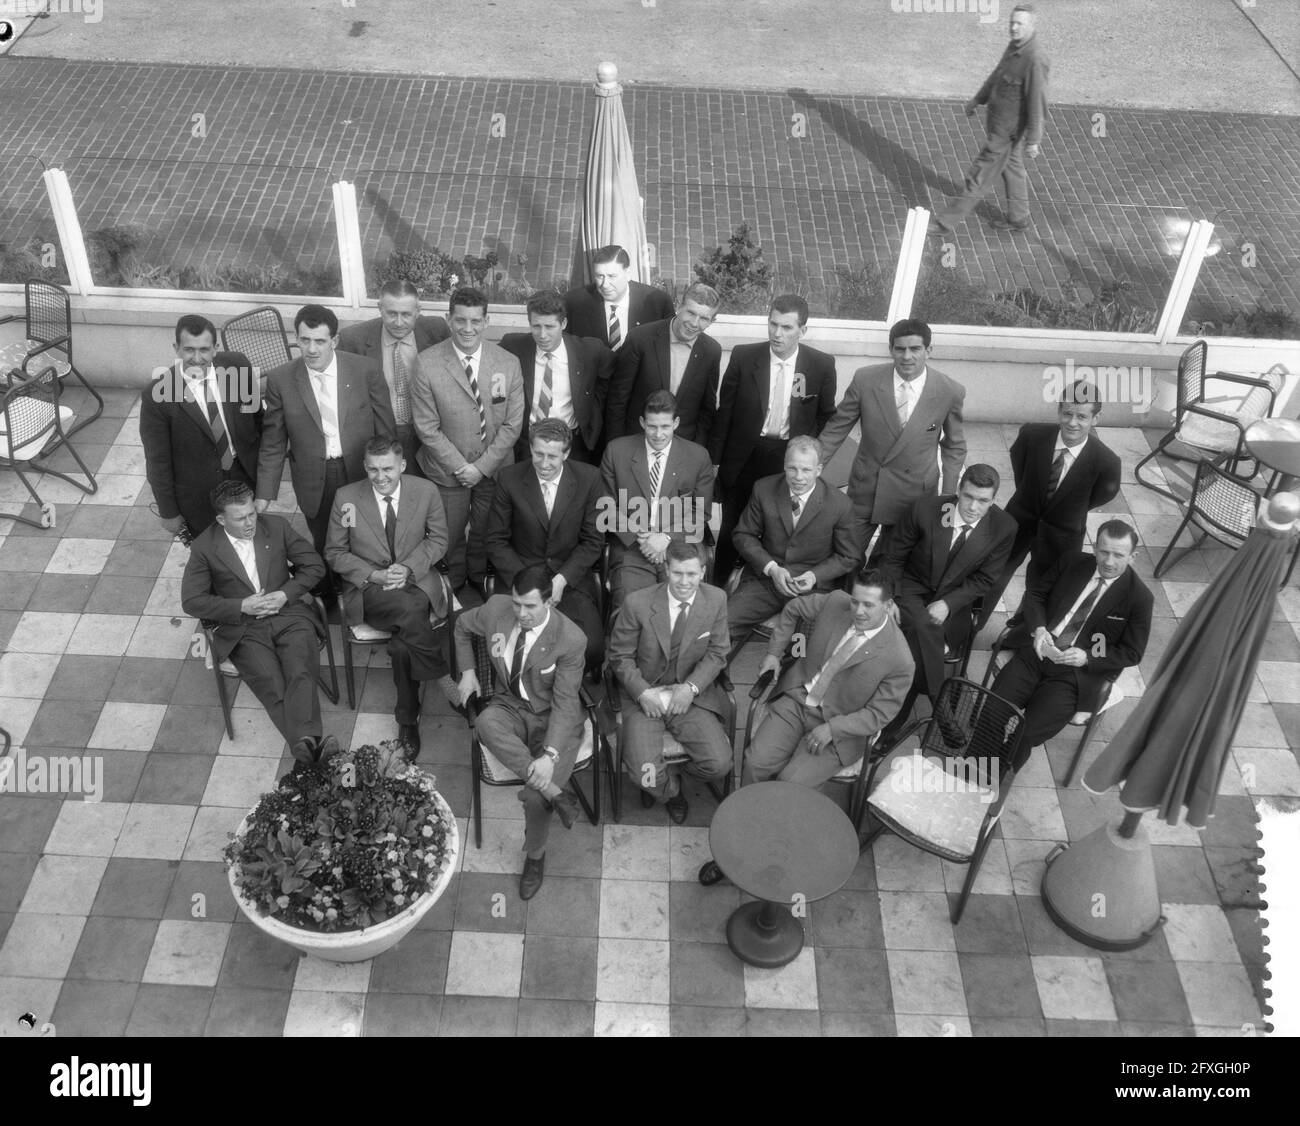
(703, 636)
(551, 669)
(1115, 618)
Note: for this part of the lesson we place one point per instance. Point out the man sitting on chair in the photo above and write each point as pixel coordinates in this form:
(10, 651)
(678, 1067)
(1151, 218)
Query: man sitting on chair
(248, 573)
(1086, 620)
(384, 537)
(848, 684)
(795, 535)
(533, 723)
(668, 645)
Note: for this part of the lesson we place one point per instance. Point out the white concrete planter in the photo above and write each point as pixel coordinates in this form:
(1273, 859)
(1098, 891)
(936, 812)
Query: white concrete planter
(358, 945)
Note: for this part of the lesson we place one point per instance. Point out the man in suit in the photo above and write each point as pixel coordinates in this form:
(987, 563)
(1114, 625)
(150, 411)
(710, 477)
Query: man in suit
(944, 553)
(909, 414)
(668, 645)
(1088, 618)
(1016, 94)
(394, 339)
(796, 536)
(614, 304)
(770, 393)
(565, 377)
(248, 573)
(544, 511)
(321, 410)
(386, 533)
(533, 722)
(1063, 471)
(468, 404)
(658, 489)
(674, 355)
(200, 423)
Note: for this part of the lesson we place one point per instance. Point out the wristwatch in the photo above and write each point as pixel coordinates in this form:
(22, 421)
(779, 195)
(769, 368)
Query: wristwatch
(552, 754)
(694, 690)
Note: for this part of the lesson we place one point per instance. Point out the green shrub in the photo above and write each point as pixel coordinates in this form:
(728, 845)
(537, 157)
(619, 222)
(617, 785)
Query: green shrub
(739, 274)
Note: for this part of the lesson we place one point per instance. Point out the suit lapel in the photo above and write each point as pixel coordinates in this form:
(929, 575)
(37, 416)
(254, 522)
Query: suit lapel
(196, 411)
(659, 619)
(370, 513)
(227, 554)
(262, 553)
(539, 656)
(887, 407)
(663, 353)
(763, 382)
(302, 381)
(563, 495)
(577, 374)
(813, 505)
(641, 468)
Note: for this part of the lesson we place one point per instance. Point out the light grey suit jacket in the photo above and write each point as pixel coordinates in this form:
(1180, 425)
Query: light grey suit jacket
(446, 414)
(356, 544)
(897, 465)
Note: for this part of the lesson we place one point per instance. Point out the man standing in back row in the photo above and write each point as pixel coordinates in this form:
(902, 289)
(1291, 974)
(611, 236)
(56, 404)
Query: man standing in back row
(613, 305)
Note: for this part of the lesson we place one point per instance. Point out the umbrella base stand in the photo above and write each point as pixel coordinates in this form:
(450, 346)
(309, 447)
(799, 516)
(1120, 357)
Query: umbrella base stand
(1102, 891)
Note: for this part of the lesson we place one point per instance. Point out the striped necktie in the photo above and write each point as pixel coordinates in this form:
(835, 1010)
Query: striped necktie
(218, 428)
(615, 333)
(329, 418)
(542, 404)
(1069, 633)
(838, 659)
(903, 405)
(1058, 467)
(478, 399)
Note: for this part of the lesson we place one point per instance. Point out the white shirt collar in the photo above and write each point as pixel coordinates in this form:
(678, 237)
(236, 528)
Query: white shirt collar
(913, 385)
(380, 498)
(1071, 451)
(777, 359)
(466, 358)
(535, 629)
(651, 453)
(331, 369)
(558, 478)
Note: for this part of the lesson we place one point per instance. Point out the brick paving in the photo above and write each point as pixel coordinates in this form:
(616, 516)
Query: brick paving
(429, 173)
(97, 900)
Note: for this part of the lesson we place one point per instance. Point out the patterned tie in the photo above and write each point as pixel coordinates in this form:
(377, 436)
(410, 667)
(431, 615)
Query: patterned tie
(218, 428)
(839, 659)
(329, 418)
(796, 506)
(615, 333)
(542, 404)
(955, 551)
(1058, 466)
(1070, 634)
(390, 530)
(675, 639)
(478, 399)
(902, 403)
(401, 386)
(654, 491)
(517, 663)
(548, 496)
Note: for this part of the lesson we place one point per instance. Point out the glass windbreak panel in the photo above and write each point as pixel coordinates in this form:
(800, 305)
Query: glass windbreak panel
(29, 241)
(1104, 268)
(1249, 284)
(222, 227)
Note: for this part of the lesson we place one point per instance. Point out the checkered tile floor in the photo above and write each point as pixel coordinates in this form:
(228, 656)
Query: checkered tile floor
(115, 917)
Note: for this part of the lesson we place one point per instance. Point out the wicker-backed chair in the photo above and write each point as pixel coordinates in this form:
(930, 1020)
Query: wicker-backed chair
(260, 335)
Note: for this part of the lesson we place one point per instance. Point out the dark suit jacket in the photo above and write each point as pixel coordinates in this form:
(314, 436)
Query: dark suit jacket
(519, 533)
(552, 673)
(917, 549)
(641, 643)
(897, 465)
(356, 543)
(182, 459)
(366, 338)
(644, 365)
(1116, 630)
(742, 403)
(822, 542)
(588, 313)
(215, 584)
(685, 492)
(292, 425)
(590, 365)
(868, 691)
(1058, 524)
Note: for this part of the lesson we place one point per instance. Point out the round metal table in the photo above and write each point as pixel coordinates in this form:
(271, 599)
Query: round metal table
(786, 845)
(1275, 442)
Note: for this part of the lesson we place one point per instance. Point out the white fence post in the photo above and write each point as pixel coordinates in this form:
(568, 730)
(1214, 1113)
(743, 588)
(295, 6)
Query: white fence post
(1180, 289)
(69, 228)
(352, 266)
(909, 265)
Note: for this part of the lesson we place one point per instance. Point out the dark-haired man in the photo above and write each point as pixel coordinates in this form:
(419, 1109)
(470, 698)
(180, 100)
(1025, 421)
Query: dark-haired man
(248, 573)
(395, 339)
(770, 393)
(321, 410)
(565, 377)
(613, 305)
(533, 722)
(468, 404)
(200, 424)
(909, 414)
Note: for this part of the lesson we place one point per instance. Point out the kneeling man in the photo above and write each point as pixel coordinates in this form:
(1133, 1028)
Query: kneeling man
(667, 648)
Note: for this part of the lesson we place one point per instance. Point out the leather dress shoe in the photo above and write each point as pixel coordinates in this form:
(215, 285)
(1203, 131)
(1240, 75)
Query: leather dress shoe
(677, 807)
(647, 800)
(1008, 225)
(567, 807)
(531, 880)
(711, 874)
(409, 734)
(327, 748)
(305, 750)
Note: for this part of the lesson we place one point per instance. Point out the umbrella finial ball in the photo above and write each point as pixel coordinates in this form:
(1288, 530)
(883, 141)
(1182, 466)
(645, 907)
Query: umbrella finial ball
(606, 73)
(1283, 510)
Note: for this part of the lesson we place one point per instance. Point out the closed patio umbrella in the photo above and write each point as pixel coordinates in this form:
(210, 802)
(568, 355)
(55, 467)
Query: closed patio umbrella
(611, 212)
(1170, 753)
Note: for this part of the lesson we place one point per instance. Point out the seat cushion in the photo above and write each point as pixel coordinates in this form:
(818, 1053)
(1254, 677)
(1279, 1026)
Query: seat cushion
(366, 633)
(929, 797)
(31, 416)
(494, 770)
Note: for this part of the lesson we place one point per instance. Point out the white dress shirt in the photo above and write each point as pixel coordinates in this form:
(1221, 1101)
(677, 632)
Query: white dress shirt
(206, 390)
(382, 502)
(248, 557)
(780, 382)
(913, 388)
(561, 387)
(530, 637)
(1083, 594)
(623, 307)
(554, 487)
(325, 386)
(855, 640)
(1071, 455)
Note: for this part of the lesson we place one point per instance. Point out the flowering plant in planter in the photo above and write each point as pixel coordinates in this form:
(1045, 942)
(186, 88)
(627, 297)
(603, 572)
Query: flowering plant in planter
(345, 844)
